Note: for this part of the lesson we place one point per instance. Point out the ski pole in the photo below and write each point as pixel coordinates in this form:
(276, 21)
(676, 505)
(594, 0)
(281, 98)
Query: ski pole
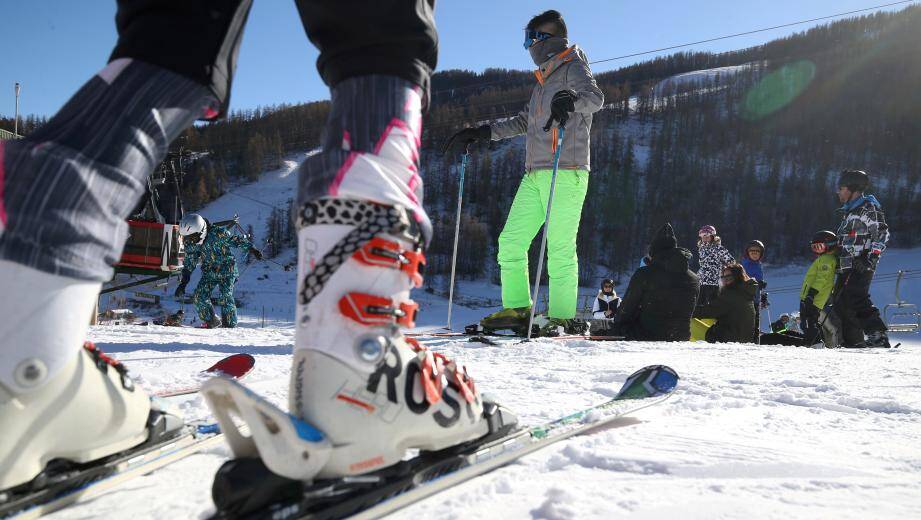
(457, 217)
(543, 239)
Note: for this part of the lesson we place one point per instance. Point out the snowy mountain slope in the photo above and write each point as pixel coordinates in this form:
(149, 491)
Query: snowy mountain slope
(700, 77)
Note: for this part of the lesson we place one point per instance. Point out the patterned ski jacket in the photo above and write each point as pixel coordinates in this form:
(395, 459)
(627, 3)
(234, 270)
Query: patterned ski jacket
(820, 278)
(215, 254)
(566, 70)
(713, 256)
(862, 231)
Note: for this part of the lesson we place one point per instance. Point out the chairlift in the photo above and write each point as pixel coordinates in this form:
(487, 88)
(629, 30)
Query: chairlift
(902, 316)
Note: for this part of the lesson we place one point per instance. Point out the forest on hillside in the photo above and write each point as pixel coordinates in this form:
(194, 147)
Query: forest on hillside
(754, 152)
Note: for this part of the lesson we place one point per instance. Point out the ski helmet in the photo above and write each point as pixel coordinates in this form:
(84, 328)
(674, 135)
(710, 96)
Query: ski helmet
(755, 244)
(607, 281)
(854, 180)
(193, 228)
(708, 230)
(823, 241)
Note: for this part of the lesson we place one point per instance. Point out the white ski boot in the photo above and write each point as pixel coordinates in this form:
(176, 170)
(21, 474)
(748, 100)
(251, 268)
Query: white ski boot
(58, 402)
(361, 393)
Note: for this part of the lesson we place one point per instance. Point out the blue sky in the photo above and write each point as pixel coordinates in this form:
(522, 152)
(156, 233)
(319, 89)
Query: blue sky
(53, 46)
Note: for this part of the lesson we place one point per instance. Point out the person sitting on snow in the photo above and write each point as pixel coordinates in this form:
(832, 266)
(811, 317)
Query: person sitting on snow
(606, 303)
(661, 295)
(211, 245)
(732, 308)
(782, 324)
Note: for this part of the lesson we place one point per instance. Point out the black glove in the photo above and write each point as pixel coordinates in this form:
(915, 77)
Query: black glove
(562, 104)
(180, 291)
(459, 142)
(764, 300)
(808, 310)
(762, 284)
(257, 254)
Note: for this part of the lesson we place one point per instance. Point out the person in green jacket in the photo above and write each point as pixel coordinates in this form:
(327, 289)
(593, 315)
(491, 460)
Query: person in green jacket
(815, 307)
(565, 91)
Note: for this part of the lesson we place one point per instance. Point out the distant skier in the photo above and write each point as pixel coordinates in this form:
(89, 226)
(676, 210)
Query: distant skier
(565, 91)
(731, 308)
(713, 257)
(69, 186)
(661, 295)
(820, 321)
(862, 236)
(606, 303)
(212, 246)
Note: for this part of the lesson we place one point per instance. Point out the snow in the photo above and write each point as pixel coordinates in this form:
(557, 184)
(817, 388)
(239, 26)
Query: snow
(753, 432)
(701, 77)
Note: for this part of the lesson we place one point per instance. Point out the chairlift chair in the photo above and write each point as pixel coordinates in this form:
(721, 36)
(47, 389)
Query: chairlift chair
(902, 316)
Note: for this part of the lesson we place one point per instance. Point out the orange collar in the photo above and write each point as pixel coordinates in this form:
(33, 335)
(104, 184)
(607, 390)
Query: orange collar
(550, 66)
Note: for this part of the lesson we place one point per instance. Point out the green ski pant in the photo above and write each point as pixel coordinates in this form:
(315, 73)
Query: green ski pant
(524, 222)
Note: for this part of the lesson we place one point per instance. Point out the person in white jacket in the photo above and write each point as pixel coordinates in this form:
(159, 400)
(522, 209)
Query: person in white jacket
(607, 302)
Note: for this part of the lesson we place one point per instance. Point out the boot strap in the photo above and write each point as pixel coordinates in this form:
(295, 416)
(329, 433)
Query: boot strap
(380, 252)
(103, 362)
(371, 310)
(369, 220)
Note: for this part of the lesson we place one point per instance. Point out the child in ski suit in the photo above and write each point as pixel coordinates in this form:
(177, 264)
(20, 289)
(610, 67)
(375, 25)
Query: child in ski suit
(751, 261)
(218, 268)
(713, 257)
(815, 309)
(565, 91)
(862, 237)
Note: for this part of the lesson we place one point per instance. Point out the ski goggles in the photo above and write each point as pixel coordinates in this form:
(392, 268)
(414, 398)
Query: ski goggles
(532, 36)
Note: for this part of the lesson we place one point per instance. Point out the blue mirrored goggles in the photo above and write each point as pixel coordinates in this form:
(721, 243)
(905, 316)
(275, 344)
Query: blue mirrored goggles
(532, 36)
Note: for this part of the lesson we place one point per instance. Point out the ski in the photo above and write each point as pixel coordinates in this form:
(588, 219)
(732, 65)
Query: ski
(65, 486)
(245, 489)
(235, 366)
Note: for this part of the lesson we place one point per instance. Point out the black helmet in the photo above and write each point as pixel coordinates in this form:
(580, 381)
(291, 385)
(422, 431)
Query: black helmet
(825, 237)
(607, 281)
(854, 180)
(755, 243)
(823, 241)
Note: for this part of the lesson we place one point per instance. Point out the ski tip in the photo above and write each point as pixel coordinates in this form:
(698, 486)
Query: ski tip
(236, 365)
(650, 381)
(205, 429)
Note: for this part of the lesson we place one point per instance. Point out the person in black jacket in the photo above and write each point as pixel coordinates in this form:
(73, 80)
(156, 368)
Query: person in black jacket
(661, 295)
(733, 308)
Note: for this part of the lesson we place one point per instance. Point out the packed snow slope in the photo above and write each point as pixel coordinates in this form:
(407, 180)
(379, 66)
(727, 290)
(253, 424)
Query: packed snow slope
(753, 431)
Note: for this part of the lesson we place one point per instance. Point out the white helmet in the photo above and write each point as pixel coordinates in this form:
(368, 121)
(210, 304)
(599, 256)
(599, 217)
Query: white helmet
(193, 228)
